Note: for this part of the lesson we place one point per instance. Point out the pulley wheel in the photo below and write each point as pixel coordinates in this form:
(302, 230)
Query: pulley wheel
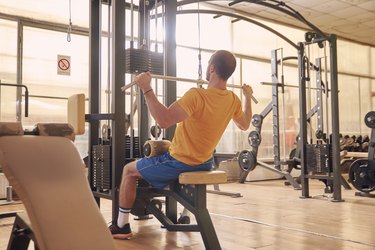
(362, 176)
(319, 134)
(155, 131)
(370, 119)
(247, 160)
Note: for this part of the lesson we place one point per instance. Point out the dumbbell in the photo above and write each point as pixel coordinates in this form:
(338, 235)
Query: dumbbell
(365, 143)
(342, 142)
(348, 143)
(357, 144)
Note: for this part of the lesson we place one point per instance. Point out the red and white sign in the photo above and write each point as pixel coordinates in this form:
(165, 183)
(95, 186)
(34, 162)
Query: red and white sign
(63, 65)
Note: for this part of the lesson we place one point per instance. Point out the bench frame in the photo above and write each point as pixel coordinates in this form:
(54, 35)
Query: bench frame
(21, 234)
(190, 196)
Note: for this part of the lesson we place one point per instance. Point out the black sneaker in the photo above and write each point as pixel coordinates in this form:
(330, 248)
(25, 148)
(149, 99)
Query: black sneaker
(121, 232)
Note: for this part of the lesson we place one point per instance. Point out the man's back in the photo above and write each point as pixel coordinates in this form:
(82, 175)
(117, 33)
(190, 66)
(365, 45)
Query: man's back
(209, 111)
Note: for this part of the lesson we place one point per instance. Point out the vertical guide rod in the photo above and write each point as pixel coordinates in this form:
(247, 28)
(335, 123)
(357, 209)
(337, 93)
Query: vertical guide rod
(283, 103)
(335, 120)
(302, 140)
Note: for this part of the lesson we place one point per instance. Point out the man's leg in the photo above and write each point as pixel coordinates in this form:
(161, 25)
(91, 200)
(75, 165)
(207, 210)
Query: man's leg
(127, 194)
(128, 185)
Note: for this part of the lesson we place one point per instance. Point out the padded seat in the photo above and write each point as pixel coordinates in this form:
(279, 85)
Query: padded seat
(76, 113)
(11, 128)
(55, 129)
(203, 177)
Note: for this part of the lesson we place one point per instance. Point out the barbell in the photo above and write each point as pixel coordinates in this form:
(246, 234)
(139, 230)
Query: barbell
(288, 85)
(173, 78)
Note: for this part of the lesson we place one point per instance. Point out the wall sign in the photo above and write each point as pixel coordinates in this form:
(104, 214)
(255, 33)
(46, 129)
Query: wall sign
(63, 65)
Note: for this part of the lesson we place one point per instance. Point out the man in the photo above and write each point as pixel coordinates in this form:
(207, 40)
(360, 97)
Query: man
(201, 116)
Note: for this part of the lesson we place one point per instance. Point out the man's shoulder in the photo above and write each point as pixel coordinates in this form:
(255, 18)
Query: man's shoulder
(195, 91)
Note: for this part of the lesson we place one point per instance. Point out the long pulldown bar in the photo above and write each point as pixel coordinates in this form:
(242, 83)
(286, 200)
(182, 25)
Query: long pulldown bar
(173, 78)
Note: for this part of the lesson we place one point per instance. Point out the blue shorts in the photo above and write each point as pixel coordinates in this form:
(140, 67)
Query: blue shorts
(163, 170)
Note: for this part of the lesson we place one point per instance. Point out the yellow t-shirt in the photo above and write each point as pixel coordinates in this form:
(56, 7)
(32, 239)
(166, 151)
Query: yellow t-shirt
(209, 111)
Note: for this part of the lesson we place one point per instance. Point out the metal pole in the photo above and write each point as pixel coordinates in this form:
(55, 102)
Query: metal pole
(170, 52)
(303, 118)
(335, 120)
(118, 99)
(170, 90)
(287, 85)
(319, 95)
(94, 82)
(275, 111)
(283, 103)
(19, 70)
(143, 41)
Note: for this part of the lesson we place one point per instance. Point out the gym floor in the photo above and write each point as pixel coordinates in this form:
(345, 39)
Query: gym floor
(270, 215)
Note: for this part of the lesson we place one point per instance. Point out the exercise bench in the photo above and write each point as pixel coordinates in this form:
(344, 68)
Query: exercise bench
(190, 191)
(48, 174)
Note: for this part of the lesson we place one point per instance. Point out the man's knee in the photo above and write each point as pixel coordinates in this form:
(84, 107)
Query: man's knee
(130, 170)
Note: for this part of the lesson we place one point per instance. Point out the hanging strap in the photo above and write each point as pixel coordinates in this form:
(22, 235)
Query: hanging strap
(69, 31)
(199, 47)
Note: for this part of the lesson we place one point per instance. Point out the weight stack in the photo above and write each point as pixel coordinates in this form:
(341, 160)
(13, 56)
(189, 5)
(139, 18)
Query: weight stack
(141, 60)
(101, 167)
(319, 158)
(135, 146)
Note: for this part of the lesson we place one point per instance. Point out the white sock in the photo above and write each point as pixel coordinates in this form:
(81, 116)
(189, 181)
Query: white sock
(123, 216)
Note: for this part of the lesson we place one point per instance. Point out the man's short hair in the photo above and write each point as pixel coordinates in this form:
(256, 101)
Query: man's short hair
(225, 63)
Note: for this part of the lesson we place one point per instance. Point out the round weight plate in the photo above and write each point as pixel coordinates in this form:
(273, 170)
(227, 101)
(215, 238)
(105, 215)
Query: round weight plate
(247, 160)
(256, 120)
(157, 203)
(184, 220)
(139, 208)
(362, 176)
(370, 119)
(254, 139)
(147, 149)
(293, 164)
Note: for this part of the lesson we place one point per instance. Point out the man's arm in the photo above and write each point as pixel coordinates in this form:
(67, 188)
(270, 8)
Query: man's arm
(243, 122)
(164, 116)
